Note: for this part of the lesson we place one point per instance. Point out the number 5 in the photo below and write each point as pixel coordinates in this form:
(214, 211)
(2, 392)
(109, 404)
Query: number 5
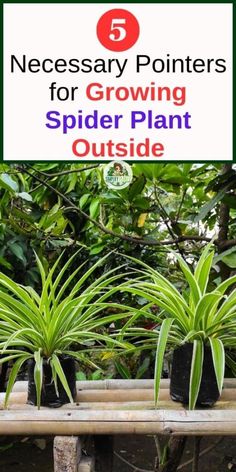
(118, 32)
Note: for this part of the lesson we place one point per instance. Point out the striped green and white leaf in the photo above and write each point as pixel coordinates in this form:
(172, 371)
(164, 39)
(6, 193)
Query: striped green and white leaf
(196, 372)
(161, 346)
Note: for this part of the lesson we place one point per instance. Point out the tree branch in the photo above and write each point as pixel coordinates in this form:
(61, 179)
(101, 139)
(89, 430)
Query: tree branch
(180, 205)
(64, 172)
(166, 220)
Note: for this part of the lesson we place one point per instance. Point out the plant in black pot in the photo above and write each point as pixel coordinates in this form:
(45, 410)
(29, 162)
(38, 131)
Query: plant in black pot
(197, 325)
(51, 329)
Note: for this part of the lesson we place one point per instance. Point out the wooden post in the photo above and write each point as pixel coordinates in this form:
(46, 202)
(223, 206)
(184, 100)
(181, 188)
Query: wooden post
(103, 445)
(67, 453)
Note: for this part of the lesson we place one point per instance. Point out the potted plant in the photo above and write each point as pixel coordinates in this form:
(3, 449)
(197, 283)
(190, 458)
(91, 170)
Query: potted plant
(52, 328)
(198, 325)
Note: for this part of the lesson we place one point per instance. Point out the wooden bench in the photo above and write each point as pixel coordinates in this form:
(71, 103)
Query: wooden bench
(114, 407)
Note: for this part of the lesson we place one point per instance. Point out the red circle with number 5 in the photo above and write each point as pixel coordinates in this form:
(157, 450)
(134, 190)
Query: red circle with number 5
(118, 30)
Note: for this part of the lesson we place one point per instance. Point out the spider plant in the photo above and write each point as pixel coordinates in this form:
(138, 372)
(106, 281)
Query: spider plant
(53, 322)
(194, 316)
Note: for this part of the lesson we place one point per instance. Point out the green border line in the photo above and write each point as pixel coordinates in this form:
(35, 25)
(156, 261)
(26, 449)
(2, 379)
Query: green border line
(147, 160)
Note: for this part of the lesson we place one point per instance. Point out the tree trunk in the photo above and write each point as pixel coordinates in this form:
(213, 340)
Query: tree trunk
(223, 221)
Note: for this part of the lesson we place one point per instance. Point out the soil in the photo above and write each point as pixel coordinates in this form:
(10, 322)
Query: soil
(35, 454)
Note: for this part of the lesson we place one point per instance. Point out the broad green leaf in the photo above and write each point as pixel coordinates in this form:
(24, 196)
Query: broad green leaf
(147, 171)
(111, 198)
(218, 356)
(97, 374)
(196, 372)
(94, 207)
(136, 187)
(8, 183)
(25, 196)
(17, 250)
(187, 168)
(83, 200)
(219, 257)
(80, 376)
(207, 207)
(72, 183)
(230, 260)
(97, 248)
(141, 203)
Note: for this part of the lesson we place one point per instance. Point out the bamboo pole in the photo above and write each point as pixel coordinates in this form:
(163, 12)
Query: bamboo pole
(117, 384)
(110, 384)
(124, 395)
(166, 422)
(100, 395)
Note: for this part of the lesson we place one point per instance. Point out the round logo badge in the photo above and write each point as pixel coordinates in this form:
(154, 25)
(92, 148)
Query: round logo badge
(118, 175)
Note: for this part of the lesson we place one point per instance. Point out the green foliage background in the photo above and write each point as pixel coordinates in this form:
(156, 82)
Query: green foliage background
(49, 207)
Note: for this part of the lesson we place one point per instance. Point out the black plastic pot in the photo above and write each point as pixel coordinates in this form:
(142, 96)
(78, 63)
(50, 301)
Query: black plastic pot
(48, 395)
(180, 377)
